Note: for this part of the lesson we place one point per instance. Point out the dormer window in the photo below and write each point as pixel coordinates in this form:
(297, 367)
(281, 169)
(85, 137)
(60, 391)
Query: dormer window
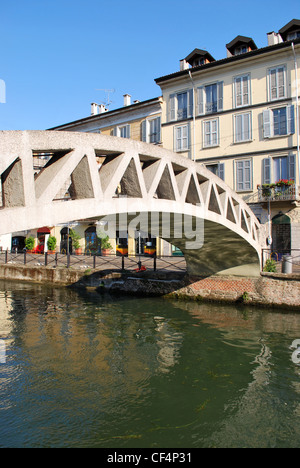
(199, 57)
(290, 31)
(240, 45)
(293, 35)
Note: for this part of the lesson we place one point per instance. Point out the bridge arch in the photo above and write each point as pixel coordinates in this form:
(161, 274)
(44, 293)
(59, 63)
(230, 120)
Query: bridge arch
(49, 178)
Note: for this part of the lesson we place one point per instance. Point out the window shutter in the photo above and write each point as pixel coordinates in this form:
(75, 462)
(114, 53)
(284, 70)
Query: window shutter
(240, 175)
(273, 84)
(115, 131)
(221, 171)
(177, 138)
(158, 137)
(172, 115)
(215, 132)
(244, 175)
(144, 130)
(247, 127)
(220, 96)
(127, 131)
(200, 97)
(290, 120)
(267, 117)
(238, 92)
(184, 137)
(207, 133)
(246, 90)
(267, 171)
(190, 103)
(280, 83)
(248, 175)
(292, 167)
(238, 128)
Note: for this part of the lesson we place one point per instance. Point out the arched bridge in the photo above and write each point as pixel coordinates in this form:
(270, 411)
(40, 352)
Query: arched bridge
(51, 177)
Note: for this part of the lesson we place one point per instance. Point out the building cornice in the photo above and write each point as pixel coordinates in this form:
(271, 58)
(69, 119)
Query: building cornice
(105, 115)
(247, 154)
(228, 60)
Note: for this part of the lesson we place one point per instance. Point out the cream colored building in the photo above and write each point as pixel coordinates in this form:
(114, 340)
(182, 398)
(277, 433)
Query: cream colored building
(138, 120)
(239, 116)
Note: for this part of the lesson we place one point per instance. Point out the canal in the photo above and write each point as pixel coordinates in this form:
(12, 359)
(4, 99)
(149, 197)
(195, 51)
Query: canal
(80, 369)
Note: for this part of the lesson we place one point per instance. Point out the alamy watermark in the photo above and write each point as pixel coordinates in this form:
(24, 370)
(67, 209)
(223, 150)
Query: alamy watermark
(187, 229)
(2, 92)
(296, 354)
(2, 352)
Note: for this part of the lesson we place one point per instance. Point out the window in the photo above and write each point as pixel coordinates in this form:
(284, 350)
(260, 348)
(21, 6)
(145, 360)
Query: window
(242, 127)
(151, 130)
(244, 175)
(181, 138)
(278, 168)
(198, 61)
(217, 169)
(293, 35)
(240, 50)
(180, 105)
(210, 133)
(210, 98)
(279, 121)
(122, 131)
(242, 90)
(277, 83)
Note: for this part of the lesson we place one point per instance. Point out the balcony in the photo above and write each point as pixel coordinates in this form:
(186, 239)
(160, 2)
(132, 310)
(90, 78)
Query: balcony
(279, 192)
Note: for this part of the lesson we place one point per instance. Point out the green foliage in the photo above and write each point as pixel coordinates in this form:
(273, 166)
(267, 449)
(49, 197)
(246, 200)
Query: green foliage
(270, 266)
(75, 238)
(51, 243)
(29, 243)
(105, 244)
(245, 297)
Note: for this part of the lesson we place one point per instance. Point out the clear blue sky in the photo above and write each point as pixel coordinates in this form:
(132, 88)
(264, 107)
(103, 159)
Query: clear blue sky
(56, 55)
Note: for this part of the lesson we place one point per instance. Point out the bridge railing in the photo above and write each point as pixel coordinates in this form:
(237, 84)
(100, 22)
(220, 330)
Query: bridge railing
(84, 262)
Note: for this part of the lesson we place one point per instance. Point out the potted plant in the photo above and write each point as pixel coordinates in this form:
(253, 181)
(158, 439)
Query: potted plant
(51, 244)
(270, 266)
(29, 244)
(105, 246)
(75, 241)
(266, 190)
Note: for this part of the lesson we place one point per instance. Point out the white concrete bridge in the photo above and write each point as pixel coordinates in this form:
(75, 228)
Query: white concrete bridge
(108, 175)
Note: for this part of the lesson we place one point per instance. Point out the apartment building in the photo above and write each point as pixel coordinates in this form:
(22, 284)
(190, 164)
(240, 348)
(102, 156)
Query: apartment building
(140, 120)
(240, 117)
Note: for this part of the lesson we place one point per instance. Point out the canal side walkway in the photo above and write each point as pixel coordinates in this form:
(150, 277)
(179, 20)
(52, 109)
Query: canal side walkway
(167, 279)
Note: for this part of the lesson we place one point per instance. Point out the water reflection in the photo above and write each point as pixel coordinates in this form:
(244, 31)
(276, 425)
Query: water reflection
(100, 371)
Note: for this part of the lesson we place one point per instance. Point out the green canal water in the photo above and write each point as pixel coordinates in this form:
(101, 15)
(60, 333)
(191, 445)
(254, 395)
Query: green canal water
(85, 370)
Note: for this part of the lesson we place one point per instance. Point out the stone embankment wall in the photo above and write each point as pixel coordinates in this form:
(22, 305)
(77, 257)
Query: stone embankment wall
(269, 289)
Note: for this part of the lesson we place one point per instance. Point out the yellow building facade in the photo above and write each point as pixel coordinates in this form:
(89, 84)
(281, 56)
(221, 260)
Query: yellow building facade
(240, 117)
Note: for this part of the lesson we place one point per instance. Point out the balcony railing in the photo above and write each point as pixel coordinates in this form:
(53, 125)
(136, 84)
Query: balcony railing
(278, 193)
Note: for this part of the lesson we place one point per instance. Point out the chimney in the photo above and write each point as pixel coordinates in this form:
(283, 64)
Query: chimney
(97, 108)
(127, 100)
(101, 108)
(274, 38)
(183, 65)
(94, 108)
